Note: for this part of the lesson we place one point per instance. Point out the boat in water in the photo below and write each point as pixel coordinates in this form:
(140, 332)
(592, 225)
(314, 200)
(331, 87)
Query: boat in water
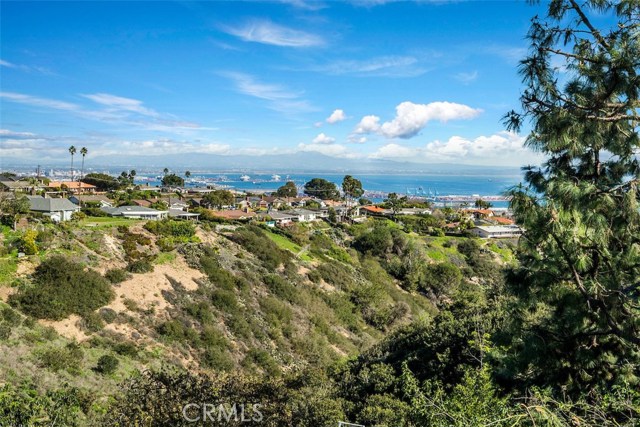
(275, 178)
(245, 178)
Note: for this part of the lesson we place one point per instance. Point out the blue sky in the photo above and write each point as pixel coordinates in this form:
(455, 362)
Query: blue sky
(419, 81)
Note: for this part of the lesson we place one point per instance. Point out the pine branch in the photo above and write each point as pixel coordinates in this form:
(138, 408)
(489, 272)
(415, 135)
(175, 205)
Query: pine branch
(596, 34)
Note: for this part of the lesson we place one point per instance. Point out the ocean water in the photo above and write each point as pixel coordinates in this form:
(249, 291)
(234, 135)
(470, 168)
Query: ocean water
(376, 185)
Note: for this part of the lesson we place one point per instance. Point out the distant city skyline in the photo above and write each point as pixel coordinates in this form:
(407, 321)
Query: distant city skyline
(405, 81)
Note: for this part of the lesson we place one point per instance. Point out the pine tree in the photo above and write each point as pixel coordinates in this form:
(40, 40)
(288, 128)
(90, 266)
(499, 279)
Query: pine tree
(576, 312)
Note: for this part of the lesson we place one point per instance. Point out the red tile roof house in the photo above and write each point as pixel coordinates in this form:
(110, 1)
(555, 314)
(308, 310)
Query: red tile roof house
(373, 210)
(140, 202)
(502, 220)
(72, 186)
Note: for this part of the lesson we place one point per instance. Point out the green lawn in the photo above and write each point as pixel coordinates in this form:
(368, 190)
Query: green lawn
(8, 267)
(107, 221)
(288, 245)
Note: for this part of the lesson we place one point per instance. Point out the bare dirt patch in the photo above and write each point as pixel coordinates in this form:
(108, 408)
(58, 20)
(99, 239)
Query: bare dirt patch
(147, 289)
(68, 327)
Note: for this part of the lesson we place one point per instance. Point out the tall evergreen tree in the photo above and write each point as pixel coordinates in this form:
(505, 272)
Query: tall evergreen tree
(352, 188)
(576, 312)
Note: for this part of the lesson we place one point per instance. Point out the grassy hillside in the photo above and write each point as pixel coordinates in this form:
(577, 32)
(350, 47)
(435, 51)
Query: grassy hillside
(255, 300)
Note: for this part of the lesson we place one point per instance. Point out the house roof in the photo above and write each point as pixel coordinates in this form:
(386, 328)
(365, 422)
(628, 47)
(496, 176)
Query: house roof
(15, 185)
(502, 220)
(71, 185)
(140, 202)
(280, 215)
(92, 198)
(498, 228)
(46, 204)
(374, 209)
(303, 212)
(176, 213)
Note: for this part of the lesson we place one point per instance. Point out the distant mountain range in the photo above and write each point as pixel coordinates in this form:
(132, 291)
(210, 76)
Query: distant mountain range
(281, 163)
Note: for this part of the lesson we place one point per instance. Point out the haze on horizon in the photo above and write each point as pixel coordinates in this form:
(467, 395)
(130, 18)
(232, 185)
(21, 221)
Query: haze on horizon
(403, 81)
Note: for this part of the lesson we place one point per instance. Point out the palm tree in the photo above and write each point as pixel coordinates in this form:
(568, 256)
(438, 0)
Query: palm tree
(166, 171)
(84, 152)
(187, 174)
(72, 150)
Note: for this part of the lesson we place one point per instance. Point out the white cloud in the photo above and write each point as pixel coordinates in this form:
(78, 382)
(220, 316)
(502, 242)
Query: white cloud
(336, 116)
(381, 66)
(117, 110)
(502, 148)
(118, 103)
(323, 139)
(280, 98)
(334, 150)
(266, 32)
(39, 102)
(467, 78)
(26, 68)
(356, 139)
(412, 118)
(368, 124)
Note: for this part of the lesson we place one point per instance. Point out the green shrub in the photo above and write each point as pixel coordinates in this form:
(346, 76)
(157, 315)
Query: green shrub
(28, 242)
(140, 266)
(10, 316)
(62, 287)
(441, 278)
(92, 322)
(218, 359)
(107, 364)
(281, 288)
(108, 315)
(116, 275)
(126, 349)
(171, 228)
(5, 331)
(254, 240)
(59, 358)
(216, 274)
(336, 274)
(224, 300)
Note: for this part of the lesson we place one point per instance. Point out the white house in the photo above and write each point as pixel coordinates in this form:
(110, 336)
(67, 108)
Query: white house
(100, 200)
(496, 231)
(303, 215)
(56, 209)
(136, 212)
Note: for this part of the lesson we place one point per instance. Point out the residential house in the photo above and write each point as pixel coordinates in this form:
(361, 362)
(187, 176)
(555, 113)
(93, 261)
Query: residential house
(91, 199)
(136, 212)
(503, 220)
(375, 211)
(303, 215)
(141, 202)
(482, 213)
(415, 211)
(280, 218)
(182, 214)
(71, 186)
(496, 231)
(57, 209)
(276, 202)
(8, 184)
